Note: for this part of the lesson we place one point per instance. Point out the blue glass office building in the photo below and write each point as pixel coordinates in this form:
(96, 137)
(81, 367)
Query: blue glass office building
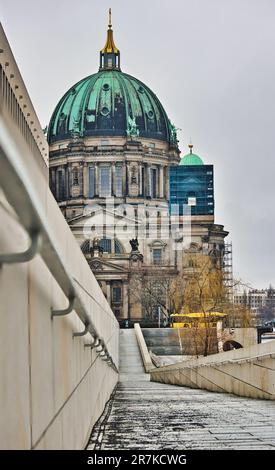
(191, 183)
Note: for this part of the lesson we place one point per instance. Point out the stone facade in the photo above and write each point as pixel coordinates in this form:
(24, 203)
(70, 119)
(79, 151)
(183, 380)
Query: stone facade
(141, 207)
(111, 147)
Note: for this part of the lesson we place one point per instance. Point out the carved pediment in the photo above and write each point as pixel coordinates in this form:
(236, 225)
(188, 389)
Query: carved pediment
(101, 216)
(99, 264)
(157, 244)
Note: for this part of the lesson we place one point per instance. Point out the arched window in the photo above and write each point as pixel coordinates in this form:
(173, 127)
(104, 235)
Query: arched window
(110, 245)
(106, 245)
(118, 247)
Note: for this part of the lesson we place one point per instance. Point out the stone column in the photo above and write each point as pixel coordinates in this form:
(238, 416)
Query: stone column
(66, 182)
(64, 195)
(166, 183)
(96, 179)
(148, 182)
(81, 179)
(161, 182)
(140, 179)
(113, 179)
(85, 180)
(125, 296)
(69, 180)
(128, 179)
(57, 182)
(108, 291)
(124, 180)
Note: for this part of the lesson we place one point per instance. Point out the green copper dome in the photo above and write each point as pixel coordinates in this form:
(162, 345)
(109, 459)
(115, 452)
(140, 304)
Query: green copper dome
(191, 158)
(110, 103)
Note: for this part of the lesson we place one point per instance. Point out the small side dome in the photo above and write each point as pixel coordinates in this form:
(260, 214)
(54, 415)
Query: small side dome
(191, 158)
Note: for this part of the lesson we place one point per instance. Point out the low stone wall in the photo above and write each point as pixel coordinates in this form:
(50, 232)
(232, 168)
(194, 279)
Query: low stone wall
(179, 341)
(246, 337)
(146, 358)
(248, 372)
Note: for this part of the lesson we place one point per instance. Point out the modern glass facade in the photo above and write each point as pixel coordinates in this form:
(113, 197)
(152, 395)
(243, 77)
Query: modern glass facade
(192, 185)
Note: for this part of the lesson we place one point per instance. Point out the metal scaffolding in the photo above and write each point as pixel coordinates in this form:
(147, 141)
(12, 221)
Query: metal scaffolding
(228, 268)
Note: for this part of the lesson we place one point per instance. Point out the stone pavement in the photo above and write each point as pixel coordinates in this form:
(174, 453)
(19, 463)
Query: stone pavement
(150, 416)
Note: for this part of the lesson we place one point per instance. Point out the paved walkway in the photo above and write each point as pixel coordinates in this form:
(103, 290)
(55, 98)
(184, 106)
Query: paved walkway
(150, 416)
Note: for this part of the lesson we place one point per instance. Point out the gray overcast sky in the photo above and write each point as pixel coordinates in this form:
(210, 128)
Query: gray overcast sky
(211, 63)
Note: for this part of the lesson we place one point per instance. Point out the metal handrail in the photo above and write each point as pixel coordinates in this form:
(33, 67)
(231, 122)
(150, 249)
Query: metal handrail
(20, 193)
(65, 311)
(84, 332)
(27, 255)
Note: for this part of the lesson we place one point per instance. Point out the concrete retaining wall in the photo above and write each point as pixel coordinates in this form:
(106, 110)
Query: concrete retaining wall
(52, 389)
(248, 372)
(178, 341)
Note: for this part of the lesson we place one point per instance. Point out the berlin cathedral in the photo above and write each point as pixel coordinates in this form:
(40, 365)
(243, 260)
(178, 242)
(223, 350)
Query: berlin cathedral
(115, 168)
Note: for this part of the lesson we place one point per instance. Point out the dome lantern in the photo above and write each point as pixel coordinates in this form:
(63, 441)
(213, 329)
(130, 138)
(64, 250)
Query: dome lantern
(109, 56)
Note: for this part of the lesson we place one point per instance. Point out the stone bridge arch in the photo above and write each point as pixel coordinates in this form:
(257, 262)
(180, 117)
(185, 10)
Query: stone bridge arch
(231, 344)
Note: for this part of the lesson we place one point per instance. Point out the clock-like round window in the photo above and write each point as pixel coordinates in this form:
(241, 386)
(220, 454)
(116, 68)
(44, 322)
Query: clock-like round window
(105, 111)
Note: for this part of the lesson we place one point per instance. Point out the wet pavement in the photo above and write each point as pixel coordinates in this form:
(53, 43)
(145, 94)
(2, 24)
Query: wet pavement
(147, 415)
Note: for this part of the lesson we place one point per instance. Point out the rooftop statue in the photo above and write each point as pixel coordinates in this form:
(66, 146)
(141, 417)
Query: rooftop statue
(132, 128)
(96, 246)
(173, 130)
(134, 244)
(76, 128)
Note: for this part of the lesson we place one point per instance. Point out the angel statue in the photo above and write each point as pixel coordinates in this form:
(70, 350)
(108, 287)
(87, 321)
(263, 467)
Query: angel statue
(132, 128)
(134, 244)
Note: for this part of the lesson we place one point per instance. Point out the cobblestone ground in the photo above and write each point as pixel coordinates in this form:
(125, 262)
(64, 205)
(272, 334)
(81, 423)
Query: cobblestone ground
(147, 415)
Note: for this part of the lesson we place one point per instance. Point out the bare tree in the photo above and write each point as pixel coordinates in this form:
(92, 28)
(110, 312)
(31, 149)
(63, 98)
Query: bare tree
(152, 292)
(204, 291)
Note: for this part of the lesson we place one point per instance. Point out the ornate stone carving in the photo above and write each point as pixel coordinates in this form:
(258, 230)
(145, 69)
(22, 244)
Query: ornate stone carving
(136, 257)
(96, 265)
(134, 175)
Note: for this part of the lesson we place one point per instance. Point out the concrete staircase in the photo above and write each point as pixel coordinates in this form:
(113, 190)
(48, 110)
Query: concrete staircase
(130, 361)
(150, 416)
